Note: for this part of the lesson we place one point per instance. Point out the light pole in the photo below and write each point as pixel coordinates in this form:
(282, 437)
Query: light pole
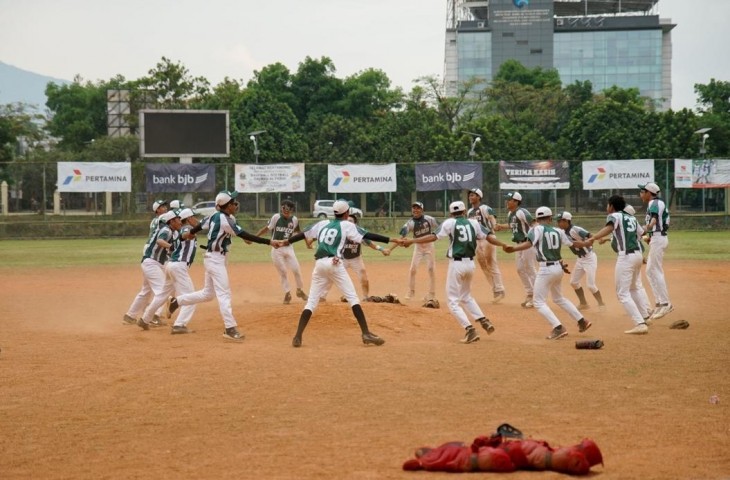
(704, 136)
(476, 138)
(253, 136)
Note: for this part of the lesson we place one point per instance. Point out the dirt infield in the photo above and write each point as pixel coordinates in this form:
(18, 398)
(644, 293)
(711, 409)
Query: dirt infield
(84, 396)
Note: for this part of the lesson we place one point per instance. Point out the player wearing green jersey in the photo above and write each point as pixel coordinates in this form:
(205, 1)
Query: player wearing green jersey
(520, 221)
(656, 227)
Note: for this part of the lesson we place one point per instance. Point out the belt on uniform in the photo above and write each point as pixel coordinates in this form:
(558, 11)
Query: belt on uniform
(458, 259)
(550, 264)
(581, 255)
(633, 250)
(663, 234)
(324, 256)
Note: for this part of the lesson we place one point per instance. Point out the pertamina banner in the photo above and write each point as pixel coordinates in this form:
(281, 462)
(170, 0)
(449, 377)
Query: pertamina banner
(179, 177)
(448, 176)
(94, 177)
(616, 174)
(534, 175)
(275, 177)
(361, 178)
(708, 173)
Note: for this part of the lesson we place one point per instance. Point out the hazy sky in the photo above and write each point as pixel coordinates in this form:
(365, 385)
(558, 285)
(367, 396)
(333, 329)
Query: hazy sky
(98, 39)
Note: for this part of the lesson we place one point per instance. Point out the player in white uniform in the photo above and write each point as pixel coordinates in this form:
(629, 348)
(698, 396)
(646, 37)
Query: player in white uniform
(221, 227)
(519, 220)
(463, 234)
(657, 225)
(586, 265)
(627, 232)
(178, 266)
(153, 265)
(135, 310)
(331, 237)
(486, 252)
(547, 241)
(421, 225)
(282, 225)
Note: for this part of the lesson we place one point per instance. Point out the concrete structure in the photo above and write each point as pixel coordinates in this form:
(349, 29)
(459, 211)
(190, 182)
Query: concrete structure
(609, 42)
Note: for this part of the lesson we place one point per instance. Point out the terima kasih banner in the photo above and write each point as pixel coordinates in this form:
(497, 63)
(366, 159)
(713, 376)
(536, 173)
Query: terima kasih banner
(708, 173)
(274, 177)
(94, 177)
(616, 174)
(361, 178)
(534, 175)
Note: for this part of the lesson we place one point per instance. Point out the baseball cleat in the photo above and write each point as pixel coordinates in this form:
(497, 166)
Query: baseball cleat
(486, 325)
(583, 325)
(640, 329)
(372, 339)
(179, 329)
(583, 306)
(143, 325)
(558, 333)
(296, 342)
(301, 294)
(498, 297)
(287, 298)
(527, 303)
(410, 295)
(157, 322)
(232, 333)
(661, 311)
(128, 320)
(471, 335)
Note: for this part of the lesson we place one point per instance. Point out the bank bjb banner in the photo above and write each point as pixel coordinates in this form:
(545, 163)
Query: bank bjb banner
(274, 177)
(534, 175)
(708, 173)
(616, 174)
(179, 177)
(94, 177)
(361, 178)
(448, 176)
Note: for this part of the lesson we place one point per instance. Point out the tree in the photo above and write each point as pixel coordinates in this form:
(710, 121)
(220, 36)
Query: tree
(316, 88)
(469, 97)
(173, 86)
(78, 112)
(512, 71)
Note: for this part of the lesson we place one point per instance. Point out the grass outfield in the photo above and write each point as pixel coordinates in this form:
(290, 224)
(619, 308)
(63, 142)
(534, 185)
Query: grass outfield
(710, 246)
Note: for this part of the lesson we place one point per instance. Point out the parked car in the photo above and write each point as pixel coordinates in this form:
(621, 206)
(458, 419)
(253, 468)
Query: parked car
(204, 209)
(323, 209)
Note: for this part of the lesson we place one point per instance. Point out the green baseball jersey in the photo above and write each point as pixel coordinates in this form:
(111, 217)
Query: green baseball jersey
(626, 231)
(519, 221)
(332, 235)
(547, 241)
(481, 214)
(184, 250)
(155, 251)
(462, 233)
(657, 208)
(575, 232)
(282, 228)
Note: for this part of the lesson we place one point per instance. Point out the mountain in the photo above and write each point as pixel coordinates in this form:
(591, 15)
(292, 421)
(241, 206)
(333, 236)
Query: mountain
(17, 85)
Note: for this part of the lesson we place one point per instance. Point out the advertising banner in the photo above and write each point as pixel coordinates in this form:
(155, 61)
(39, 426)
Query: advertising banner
(534, 175)
(179, 177)
(448, 176)
(361, 178)
(94, 177)
(708, 173)
(275, 177)
(616, 174)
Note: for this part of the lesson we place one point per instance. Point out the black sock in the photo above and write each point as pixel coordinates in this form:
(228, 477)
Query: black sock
(581, 295)
(303, 321)
(360, 317)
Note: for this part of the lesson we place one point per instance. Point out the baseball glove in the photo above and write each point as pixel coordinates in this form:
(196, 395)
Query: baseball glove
(431, 303)
(564, 266)
(389, 298)
(679, 325)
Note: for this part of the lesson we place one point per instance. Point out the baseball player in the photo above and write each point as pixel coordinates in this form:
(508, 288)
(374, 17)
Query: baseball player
(587, 262)
(282, 225)
(463, 234)
(421, 225)
(627, 232)
(159, 207)
(176, 205)
(547, 241)
(352, 260)
(177, 268)
(486, 252)
(153, 268)
(657, 225)
(519, 220)
(331, 237)
(221, 226)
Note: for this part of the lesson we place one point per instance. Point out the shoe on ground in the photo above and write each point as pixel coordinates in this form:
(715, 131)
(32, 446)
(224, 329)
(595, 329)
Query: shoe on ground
(372, 339)
(343, 298)
(128, 320)
(527, 303)
(296, 342)
(410, 295)
(648, 320)
(179, 329)
(662, 311)
(558, 333)
(486, 325)
(583, 306)
(583, 325)
(157, 322)
(471, 335)
(498, 297)
(172, 305)
(287, 298)
(142, 324)
(233, 334)
(301, 294)
(640, 329)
